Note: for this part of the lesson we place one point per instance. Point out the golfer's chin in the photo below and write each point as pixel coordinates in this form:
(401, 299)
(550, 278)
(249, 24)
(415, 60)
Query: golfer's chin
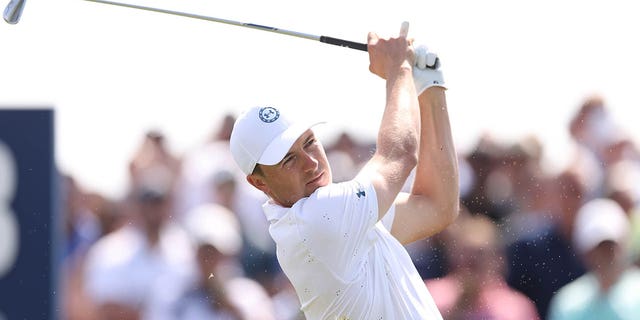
(323, 180)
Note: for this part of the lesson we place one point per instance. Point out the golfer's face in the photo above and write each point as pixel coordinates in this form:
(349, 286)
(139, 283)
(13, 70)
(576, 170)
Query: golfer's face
(303, 169)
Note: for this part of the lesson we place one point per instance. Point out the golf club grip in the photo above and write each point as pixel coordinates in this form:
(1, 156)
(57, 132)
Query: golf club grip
(344, 43)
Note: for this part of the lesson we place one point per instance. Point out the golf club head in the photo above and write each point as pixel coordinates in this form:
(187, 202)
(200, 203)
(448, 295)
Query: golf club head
(13, 11)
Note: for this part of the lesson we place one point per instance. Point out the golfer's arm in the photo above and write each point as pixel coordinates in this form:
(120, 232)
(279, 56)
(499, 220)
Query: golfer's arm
(434, 199)
(397, 140)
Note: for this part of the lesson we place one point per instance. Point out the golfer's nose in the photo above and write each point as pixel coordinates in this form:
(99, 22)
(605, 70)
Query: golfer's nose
(310, 163)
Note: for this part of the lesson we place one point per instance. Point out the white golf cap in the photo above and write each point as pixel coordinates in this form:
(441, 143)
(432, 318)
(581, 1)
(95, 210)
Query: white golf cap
(264, 135)
(599, 220)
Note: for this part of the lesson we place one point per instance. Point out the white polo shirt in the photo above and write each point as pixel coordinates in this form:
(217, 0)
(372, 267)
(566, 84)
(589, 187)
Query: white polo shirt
(343, 263)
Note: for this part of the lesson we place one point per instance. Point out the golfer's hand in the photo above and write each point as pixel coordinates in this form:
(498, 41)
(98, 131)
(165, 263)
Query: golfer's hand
(426, 70)
(388, 56)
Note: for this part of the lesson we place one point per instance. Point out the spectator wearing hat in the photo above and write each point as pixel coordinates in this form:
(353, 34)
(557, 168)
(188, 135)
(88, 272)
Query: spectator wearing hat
(221, 290)
(609, 290)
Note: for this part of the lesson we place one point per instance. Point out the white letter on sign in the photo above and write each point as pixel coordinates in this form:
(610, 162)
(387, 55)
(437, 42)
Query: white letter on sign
(8, 222)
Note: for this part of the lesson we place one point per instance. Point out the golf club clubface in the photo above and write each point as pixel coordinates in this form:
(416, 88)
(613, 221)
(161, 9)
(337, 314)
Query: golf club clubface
(13, 11)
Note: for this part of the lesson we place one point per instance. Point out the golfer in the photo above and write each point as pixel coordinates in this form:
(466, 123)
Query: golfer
(341, 244)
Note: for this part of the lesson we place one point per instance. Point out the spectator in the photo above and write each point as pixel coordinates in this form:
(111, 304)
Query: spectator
(136, 271)
(593, 127)
(541, 259)
(483, 161)
(81, 225)
(153, 158)
(81, 230)
(221, 291)
(610, 288)
(200, 165)
(595, 131)
(475, 288)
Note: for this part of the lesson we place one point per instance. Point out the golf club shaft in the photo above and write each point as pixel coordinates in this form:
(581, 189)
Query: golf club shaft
(323, 39)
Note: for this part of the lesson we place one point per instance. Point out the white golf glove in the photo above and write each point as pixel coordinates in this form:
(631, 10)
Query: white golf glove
(426, 71)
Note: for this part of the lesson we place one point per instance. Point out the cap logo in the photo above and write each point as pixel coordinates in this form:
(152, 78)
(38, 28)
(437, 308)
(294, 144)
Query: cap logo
(268, 114)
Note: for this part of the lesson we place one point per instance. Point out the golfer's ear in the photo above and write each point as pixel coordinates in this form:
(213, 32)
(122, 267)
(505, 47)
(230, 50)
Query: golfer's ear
(258, 182)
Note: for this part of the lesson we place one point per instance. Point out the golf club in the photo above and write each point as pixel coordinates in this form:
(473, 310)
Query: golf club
(13, 11)
(323, 39)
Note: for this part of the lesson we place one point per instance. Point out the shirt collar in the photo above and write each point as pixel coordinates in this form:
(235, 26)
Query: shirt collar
(274, 211)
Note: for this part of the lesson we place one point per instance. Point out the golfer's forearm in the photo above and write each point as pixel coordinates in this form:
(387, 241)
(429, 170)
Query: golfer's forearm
(437, 168)
(398, 135)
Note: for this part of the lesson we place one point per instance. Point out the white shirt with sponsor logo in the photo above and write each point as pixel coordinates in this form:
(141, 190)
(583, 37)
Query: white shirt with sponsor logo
(343, 263)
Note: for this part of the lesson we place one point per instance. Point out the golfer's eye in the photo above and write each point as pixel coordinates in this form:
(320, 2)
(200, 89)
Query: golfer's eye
(310, 142)
(287, 161)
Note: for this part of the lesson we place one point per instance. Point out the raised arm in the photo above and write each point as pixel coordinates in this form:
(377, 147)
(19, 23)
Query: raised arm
(433, 202)
(397, 141)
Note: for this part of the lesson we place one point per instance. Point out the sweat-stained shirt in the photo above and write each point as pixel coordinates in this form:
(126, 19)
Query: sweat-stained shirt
(342, 262)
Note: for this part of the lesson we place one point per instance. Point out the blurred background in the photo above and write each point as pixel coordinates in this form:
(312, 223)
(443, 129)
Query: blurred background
(132, 117)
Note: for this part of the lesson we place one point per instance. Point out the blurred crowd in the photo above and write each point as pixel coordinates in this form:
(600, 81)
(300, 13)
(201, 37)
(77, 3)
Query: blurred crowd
(190, 241)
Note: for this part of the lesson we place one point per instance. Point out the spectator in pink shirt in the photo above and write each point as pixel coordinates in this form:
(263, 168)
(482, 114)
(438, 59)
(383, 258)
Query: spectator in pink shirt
(475, 288)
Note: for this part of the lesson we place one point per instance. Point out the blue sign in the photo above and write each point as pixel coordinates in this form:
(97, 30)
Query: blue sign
(27, 176)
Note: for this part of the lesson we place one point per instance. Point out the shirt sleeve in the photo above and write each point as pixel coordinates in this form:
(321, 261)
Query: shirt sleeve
(336, 224)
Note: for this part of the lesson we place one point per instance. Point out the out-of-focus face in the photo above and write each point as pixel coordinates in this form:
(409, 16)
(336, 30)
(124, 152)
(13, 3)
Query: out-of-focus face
(303, 169)
(208, 257)
(606, 258)
(154, 212)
